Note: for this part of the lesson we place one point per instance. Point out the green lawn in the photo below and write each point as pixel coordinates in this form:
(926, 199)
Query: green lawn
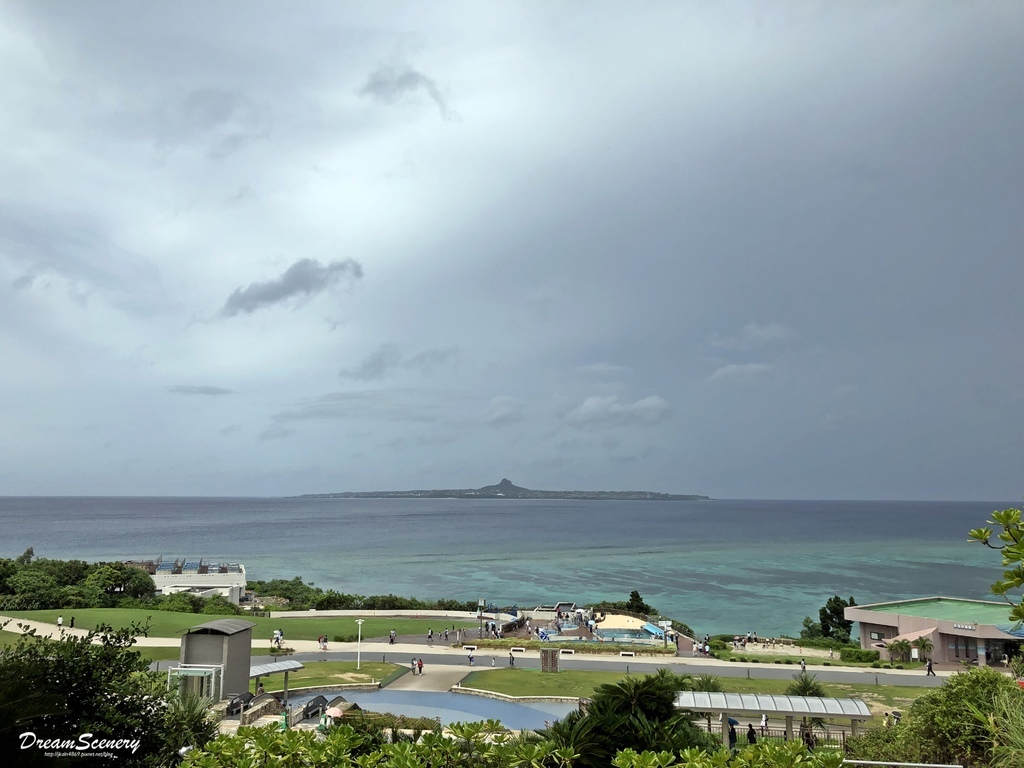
(164, 653)
(531, 682)
(328, 672)
(794, 661)
(169, 624)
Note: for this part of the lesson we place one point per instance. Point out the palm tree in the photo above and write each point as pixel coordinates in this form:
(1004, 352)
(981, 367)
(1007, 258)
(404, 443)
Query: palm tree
(924, 647)
(806, 684)
(899, 650)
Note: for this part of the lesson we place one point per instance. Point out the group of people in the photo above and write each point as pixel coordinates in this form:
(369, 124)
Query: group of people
(323, 642)
(417, 666)
(60, 622)
(751, 734)
(277, 640)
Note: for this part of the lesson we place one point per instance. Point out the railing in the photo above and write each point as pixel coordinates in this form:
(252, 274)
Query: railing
(887, 764)
(831, 739)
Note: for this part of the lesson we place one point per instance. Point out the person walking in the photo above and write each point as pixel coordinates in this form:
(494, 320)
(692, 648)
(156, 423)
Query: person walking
(413, 665)
(930, 671)
(764, 723)
(60, 622)
(732, 738)
(71, 625)
(511, 659)
(419, 666)
(471, 659)
(803, 665)
(751, 734)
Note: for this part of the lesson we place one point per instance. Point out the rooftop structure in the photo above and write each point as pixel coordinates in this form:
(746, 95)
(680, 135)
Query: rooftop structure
(975, 631)
(199, 576)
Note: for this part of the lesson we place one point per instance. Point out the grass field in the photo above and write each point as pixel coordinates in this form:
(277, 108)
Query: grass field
(531, 682)
(168, 624)
(328, 672)
(153, 654)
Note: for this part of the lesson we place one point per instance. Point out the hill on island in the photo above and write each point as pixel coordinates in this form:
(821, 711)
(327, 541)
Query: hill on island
(506, 489)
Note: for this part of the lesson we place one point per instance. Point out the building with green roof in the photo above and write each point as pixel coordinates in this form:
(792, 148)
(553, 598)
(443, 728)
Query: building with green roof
(975, 631)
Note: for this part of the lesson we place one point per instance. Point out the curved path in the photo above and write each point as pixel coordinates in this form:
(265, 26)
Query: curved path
(436, 655)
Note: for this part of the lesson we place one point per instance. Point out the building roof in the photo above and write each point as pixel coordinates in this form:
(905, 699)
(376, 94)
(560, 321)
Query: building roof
(220, 627)
(948, 609)
(260, 670)
(740, 703)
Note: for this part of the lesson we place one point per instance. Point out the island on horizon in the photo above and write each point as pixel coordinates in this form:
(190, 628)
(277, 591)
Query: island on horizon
(506, 490)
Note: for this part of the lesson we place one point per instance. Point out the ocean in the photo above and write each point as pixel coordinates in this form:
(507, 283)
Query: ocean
(721, 566)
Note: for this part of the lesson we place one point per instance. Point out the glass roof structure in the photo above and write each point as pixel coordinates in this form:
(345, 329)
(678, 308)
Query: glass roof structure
(736, 703)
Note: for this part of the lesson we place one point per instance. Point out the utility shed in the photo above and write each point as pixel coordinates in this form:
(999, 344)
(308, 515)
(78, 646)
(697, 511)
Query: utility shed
(226, 643)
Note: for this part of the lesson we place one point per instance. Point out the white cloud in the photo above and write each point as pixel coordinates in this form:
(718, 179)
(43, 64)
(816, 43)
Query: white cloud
(503, 411)
(743, 372)
(609, 411)
(603, 369)
(752, 336)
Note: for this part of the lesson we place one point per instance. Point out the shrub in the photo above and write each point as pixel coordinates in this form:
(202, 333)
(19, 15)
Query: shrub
(733, 658)
(900, 666)
(858, 655)
(887, 666)
(827, 664)
(755, 661)
(876, 664)
(777, 661)
(788, 661)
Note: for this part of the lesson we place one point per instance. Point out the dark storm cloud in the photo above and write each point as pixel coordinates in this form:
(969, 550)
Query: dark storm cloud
(304, 278)
(189, 389)
(388, 84)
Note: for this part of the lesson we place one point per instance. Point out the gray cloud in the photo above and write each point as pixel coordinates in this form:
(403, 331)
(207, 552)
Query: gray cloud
(304, 278)
(387, 357)
(429, 360)
(376, 365)
(604, 369)
(219, 120)
(276, 432)
(363, 405)
(189, 389)
(609, 411)
(389, 83)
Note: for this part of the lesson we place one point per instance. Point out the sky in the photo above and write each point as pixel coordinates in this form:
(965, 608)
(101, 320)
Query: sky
(744, 250)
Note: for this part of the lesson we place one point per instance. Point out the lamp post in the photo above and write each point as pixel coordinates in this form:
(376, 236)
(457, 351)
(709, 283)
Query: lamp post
(359, 641)
(481, 603)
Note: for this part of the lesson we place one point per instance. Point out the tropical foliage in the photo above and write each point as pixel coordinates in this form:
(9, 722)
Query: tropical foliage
(93, 684)
(946, 725)
(473, 745)
(1012, 551)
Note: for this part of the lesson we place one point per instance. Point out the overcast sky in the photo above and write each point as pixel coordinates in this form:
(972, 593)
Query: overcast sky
(735, 249)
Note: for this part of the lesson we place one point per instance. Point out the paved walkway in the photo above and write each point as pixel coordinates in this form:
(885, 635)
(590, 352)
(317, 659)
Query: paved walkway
(436, 677)
(443, 655)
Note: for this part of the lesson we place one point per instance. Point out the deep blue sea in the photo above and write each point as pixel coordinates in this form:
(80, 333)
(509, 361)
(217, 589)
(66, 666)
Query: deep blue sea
(720, 566)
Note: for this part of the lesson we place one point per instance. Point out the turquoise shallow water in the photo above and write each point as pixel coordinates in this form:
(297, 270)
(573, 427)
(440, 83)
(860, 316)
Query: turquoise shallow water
(721, 566)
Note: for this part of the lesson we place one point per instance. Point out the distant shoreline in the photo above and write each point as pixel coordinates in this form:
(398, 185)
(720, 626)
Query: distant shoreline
(506, 490)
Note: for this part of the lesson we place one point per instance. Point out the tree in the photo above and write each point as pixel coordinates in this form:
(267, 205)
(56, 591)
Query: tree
(924, 647)
(103, 687)
(805, 684)
(811, 629)
(899, 650)
(833, 620)
(636, 604)
(1012, 552)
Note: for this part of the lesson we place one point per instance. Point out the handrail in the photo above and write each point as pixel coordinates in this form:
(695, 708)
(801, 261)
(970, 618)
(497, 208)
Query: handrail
(889, 764)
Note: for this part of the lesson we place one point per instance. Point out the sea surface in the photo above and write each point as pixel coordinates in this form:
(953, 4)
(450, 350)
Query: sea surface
(721, 566)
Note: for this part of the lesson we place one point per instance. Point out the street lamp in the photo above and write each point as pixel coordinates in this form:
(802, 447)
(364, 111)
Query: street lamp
(359, 641)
